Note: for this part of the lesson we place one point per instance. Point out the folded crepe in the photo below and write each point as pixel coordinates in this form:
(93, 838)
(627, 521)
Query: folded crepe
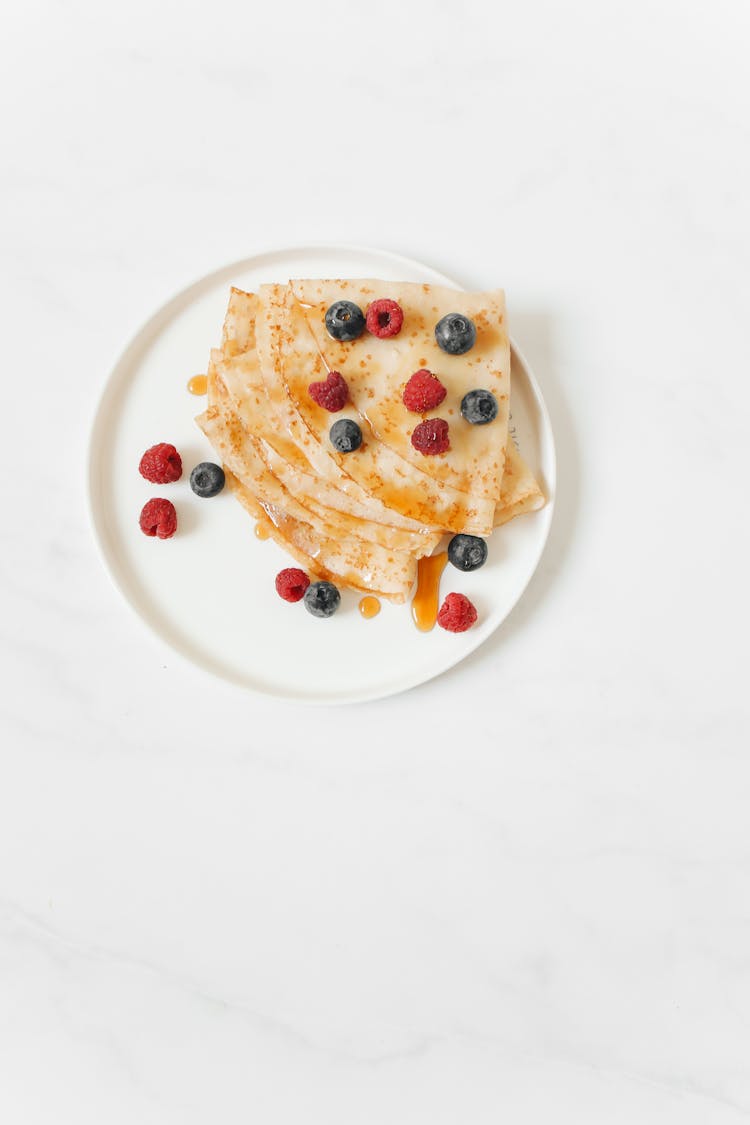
(364, 519)
(376, 371)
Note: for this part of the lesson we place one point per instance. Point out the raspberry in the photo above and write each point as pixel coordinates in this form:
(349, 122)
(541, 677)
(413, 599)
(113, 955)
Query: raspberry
(423, 392)
(332, 395)
(159, 518)
(291, 584)
(384, 318)
(161, 464)
(457, 614)
(431, 436)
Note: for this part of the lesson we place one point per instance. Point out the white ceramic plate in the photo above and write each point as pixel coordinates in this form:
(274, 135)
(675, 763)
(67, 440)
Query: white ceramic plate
(209, 591)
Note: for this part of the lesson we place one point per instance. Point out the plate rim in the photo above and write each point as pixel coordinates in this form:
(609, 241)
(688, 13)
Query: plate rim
(112, 381)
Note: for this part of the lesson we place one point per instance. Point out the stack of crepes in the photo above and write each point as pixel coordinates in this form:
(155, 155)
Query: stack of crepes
(362, 519)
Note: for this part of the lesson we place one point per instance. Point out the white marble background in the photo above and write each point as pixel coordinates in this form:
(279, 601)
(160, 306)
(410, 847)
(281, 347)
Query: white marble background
(520, 893)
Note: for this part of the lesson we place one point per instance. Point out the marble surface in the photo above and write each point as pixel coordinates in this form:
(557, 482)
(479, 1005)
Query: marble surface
(521, 892)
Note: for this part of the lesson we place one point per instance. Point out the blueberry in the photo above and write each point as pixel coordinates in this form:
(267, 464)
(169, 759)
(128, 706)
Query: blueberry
(455, 333)
(345, 435)
(345, 320)
(322, 599)
(479, 407)
(207, 479)
(467, 552)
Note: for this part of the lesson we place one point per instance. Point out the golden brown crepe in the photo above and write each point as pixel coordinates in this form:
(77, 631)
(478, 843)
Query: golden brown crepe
(377, 371)
(289, 362)
(363, 519)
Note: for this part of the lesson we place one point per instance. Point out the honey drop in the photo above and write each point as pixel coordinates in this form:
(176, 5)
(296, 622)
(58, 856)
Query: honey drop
(198, 385)
(369, 607)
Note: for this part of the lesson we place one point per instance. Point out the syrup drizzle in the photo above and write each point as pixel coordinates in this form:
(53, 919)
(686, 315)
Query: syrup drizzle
(424, 606)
